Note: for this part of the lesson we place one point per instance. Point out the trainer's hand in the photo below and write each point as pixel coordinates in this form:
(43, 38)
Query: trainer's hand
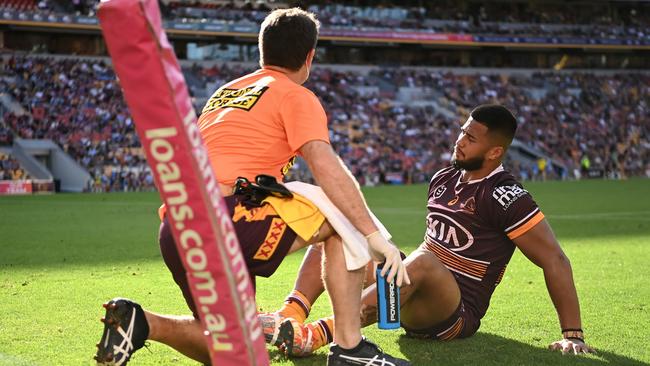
(574, 346)
(380, 250)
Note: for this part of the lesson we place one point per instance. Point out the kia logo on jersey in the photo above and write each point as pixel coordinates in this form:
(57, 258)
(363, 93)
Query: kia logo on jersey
(448, 232)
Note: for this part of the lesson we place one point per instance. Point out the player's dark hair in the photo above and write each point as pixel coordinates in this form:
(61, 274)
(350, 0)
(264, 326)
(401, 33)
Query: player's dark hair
(498, 119)
(286, 37)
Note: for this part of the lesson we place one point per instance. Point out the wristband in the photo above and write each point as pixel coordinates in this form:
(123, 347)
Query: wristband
(576, 334)
(571, 329)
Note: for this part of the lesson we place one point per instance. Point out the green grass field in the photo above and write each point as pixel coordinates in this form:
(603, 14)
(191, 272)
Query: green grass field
(61, 256)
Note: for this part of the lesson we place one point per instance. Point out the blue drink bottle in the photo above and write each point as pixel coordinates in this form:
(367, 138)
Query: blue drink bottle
(387, 302)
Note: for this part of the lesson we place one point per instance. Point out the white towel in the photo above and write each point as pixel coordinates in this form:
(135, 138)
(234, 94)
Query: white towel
(355, 245)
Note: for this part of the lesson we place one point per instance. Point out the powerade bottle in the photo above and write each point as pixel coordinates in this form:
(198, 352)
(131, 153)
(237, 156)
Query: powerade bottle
(387, 302)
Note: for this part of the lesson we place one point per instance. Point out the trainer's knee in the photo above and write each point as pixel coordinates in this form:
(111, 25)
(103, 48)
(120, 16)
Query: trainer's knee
(324, 232)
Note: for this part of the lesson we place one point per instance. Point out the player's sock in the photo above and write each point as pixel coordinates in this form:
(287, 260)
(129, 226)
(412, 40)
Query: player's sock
(296, 306)
(323, 332)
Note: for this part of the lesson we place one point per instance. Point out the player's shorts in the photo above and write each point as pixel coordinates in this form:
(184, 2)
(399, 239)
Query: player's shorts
(264, 238)
(461, 324)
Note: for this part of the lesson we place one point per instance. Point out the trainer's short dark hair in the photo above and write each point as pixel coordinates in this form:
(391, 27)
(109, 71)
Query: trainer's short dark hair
(498, 119)
(286, 37)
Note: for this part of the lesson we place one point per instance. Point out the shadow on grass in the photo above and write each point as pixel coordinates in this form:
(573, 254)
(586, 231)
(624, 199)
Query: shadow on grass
(482, 349)
(490, 349)
(320, 358)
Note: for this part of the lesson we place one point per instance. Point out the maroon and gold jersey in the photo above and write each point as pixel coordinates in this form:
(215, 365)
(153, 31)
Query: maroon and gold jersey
(470, 228)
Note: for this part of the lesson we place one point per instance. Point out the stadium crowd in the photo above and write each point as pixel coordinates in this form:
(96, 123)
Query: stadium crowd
(568, 116)
(581, 122)
(616, 21)
(78, 104)
(6, 135)
(494, 18)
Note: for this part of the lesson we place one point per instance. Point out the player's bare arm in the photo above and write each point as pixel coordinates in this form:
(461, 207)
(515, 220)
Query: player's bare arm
(540, 246)
(340, 187)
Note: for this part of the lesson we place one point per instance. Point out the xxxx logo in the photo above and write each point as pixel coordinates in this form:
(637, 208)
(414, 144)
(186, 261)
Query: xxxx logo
(270, 244)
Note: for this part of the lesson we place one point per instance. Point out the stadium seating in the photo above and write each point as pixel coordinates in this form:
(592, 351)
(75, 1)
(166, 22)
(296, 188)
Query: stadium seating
(616, 21)
(501, 18)
(78, 104)
(6, 135)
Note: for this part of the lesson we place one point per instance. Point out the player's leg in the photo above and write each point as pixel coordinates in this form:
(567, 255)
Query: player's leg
(309, 281)
(265, 241)
(308, 287)
(344, 288)
(434, 308)
(183, 333)
(431, 298)
(127, 325)
(309, 284)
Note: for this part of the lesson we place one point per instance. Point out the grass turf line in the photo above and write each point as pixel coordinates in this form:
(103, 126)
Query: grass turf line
(61, 256)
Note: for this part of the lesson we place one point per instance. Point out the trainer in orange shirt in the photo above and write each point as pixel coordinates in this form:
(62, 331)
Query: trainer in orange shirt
(256, 125)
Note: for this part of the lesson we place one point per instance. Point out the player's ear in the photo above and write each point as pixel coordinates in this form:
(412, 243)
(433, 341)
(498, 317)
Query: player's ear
(310, 57)
(495, 153)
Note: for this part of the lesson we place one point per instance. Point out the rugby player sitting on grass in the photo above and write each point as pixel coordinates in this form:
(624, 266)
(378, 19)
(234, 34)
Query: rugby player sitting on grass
(477, 215)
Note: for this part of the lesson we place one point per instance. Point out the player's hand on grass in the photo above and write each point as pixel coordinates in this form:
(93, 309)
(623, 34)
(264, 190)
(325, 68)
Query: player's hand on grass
(571, 346)
(383, 250)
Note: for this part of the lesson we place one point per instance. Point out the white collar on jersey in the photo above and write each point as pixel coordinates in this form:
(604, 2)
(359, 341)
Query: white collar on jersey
(495, 171)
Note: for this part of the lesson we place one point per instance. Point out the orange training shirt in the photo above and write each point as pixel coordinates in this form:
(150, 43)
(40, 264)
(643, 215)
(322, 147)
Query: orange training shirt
(256, 124)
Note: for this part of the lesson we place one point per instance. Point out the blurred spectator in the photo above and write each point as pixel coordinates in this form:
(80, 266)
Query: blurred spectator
(6, 135)
(10, 168)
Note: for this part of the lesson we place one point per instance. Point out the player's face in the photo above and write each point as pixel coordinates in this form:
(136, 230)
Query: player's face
(471, 146)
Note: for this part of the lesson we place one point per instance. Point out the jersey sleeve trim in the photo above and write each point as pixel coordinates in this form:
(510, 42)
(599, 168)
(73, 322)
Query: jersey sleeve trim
(520, 228)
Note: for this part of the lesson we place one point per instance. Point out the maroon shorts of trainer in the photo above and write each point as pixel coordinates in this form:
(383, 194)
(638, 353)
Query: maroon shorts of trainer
(461, 324)
(264, 238)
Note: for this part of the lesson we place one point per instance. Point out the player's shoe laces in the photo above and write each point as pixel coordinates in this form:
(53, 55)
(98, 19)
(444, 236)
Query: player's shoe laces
(125, 331)
(366, 353)
(289, 335)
